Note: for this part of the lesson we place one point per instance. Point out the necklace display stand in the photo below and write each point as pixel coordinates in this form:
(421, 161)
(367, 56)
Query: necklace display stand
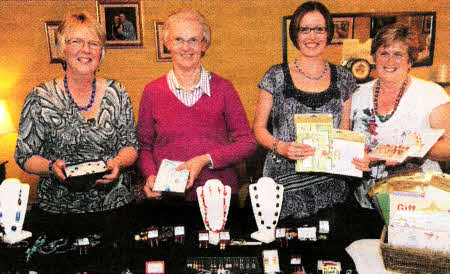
(13, 206)
(214, 202)
(266, 197)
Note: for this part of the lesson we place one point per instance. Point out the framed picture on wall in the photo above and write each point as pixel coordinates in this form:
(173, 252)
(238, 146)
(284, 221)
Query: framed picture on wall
(51, 27)
(122, 23)
(343, 29)
(162, 52)
(378, 22)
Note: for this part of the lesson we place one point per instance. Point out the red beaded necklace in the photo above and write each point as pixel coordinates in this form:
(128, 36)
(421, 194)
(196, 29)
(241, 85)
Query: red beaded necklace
(397, 101)
(205, 209)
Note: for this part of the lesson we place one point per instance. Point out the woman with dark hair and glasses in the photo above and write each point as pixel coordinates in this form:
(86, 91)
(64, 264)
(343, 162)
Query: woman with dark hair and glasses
(309, 84)
(79, 118)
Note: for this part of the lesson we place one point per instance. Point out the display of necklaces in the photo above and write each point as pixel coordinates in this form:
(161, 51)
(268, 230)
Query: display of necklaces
(214, 201)
(13, 206)
(267, 198)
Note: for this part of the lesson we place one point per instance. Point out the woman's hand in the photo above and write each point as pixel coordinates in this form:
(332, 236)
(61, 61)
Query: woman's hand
(364, 163)
(194, 166)
(148, 188)
(294, 150)
(57, 169)
(114, 166)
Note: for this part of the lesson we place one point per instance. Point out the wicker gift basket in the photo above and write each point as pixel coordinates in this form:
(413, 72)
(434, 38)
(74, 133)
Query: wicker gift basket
(411, 260)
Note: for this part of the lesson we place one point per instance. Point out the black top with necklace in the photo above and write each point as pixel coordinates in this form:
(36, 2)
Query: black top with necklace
(305, 193)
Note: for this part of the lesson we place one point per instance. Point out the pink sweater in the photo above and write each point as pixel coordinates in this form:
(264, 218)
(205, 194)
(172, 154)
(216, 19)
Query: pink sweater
(167, 129)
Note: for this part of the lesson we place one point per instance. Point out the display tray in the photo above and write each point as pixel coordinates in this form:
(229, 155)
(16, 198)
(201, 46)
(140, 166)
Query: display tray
(82, 176)
(411, 260)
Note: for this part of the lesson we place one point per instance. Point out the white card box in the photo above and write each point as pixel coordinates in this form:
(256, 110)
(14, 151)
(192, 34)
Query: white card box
(170, 180)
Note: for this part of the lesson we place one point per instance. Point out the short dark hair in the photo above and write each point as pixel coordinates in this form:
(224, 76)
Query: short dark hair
(294, 26)
(397, 32)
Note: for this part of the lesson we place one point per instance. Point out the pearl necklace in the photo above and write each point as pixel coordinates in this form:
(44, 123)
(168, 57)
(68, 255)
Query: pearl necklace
(308, 77)
(205, 209)
(397, 101)
(66, 88)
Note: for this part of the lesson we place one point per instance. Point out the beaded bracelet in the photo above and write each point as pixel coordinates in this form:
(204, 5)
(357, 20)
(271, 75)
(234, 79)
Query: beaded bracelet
(50, 167)
(275, 152)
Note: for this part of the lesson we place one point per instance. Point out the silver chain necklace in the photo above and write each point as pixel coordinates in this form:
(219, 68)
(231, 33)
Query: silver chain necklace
(308, 77)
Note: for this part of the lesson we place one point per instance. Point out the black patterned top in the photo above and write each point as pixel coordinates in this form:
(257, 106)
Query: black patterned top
(304, 193)
(51, 126)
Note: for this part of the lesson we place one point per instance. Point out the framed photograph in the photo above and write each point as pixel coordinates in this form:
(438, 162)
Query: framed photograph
(427, 23)
(51, 27)
(122, 22)
(378, 22)
(343, 29)
(162, 52)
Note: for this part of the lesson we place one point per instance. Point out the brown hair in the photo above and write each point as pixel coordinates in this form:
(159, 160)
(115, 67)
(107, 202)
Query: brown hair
(294, 26)
(79, 20)
(395, 33)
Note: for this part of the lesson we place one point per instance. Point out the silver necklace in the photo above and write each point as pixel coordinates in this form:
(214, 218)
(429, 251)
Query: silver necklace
(308, 77)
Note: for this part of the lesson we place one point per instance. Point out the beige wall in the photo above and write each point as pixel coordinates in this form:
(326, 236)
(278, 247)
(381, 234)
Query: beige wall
(246, 40)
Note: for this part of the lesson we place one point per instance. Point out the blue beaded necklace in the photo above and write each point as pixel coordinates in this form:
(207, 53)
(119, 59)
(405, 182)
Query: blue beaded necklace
(66, 88)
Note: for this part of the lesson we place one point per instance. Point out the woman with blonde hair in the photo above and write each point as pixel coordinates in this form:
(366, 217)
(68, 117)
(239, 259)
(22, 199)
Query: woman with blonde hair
(73, 119)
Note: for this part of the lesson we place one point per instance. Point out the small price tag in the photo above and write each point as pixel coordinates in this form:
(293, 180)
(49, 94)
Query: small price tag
(83, 241)
(224, 235)
(307, 233)
(154, 267)
(203, 236)
(152, 233)
(324, 227)
(280, 232)
(179, 230)
(296, 260)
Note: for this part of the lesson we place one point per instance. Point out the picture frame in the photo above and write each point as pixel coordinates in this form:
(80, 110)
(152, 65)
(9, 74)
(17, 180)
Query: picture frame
(162, 52)
(51, 27)
(122, 22)
(427, 23)
(343, 29)
(378, 22)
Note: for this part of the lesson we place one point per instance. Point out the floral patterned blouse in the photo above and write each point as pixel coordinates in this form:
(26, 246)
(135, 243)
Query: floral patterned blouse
(304, 193)
(52, 126)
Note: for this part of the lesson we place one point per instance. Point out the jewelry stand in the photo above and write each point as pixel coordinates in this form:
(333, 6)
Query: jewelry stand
(13, 206)
(214, 202)
(267, 198)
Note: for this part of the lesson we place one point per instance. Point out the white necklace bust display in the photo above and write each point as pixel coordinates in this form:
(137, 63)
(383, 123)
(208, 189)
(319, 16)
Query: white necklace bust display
(214, 202)
(267, 198)
(13, 206)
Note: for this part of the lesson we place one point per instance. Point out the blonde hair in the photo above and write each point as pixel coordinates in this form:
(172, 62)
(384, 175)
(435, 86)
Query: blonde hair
(79, 20)
(187, 14)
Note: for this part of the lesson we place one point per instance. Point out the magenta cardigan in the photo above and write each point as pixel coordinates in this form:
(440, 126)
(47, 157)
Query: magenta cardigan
(168, 129)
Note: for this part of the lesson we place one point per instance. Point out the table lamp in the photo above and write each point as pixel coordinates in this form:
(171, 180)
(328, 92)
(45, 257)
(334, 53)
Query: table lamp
(6, 127)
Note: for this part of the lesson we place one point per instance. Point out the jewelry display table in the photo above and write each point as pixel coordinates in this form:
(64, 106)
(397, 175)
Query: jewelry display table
(132, 256)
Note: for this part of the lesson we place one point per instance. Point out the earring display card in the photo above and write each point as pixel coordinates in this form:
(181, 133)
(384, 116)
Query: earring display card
(267, 198)
(271, 261)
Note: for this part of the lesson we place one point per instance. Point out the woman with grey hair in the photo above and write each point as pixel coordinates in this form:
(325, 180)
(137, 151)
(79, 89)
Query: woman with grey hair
(192, 115)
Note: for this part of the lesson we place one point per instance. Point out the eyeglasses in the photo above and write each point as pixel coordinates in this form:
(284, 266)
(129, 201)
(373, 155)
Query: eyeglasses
(79, 43)
(397, 56)
(318, 30)
(192, 42)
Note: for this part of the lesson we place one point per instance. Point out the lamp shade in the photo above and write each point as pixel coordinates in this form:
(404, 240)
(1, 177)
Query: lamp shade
(6, 125)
